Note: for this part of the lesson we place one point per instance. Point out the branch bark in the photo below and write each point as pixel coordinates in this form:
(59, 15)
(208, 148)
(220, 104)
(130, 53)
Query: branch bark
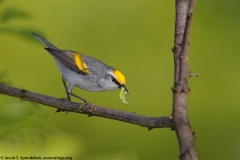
(184, 13)
(179, 122)
(87, 108)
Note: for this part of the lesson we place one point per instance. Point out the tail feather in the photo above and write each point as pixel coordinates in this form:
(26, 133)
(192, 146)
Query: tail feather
(44, 41)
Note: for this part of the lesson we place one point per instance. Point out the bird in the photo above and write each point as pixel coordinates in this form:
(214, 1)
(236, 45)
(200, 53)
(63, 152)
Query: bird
(84, 72)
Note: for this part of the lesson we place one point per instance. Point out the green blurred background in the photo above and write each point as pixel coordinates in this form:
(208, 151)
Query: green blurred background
(136, 37)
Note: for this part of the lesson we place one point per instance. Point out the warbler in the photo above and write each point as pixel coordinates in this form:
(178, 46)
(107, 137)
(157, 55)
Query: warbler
(84, 72)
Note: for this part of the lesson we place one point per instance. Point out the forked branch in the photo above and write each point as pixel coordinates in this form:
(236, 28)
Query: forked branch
(179, 122)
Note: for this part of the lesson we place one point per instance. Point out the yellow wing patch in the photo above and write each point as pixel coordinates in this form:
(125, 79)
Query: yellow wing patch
(80, 63)
(120, 77)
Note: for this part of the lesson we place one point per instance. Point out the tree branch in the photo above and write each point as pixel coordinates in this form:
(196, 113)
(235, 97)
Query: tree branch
(88, 108)
(184, 12)
(179, 121)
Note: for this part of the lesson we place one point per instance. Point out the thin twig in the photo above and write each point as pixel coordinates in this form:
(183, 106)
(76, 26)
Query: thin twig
(87, 108)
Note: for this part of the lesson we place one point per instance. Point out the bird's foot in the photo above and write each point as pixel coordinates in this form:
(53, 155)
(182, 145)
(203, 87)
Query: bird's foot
(61, 110)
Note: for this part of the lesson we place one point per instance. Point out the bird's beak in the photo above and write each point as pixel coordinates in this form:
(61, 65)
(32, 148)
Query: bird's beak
(125, 89)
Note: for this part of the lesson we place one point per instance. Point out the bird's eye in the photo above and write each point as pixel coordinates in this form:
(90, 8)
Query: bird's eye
(116, 82)
(113, 79)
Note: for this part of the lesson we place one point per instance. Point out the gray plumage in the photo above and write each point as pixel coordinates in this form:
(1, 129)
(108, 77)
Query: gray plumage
(48, 44)
(96, 76)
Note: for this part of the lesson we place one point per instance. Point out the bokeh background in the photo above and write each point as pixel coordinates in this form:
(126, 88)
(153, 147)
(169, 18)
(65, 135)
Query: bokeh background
(135, 36)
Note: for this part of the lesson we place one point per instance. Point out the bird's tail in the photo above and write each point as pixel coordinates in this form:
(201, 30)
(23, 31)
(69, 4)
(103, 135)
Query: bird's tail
(44, 41)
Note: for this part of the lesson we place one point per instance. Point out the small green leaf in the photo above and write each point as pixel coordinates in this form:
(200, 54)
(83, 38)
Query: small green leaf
(13, 13)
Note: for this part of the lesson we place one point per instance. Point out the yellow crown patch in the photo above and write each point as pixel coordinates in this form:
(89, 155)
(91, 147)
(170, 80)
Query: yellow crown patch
(120, 77)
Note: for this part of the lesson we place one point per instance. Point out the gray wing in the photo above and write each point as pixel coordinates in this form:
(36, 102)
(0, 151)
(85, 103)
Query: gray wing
(66, 58)
(44, 41)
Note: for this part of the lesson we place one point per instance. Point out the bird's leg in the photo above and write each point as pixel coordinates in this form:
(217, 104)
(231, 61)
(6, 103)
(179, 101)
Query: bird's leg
(74, 95)
(64, 99)
(65, 86)
(70, 93)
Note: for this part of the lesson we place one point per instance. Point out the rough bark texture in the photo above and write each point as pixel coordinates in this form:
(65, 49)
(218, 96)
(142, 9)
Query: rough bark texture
(184, 12)
(179, 121)
(88, 108)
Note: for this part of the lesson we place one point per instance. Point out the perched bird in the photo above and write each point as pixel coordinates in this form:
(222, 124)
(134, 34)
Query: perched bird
(85, 72)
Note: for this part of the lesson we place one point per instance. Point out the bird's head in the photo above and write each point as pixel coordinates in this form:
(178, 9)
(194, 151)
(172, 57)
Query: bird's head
(119, 79)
